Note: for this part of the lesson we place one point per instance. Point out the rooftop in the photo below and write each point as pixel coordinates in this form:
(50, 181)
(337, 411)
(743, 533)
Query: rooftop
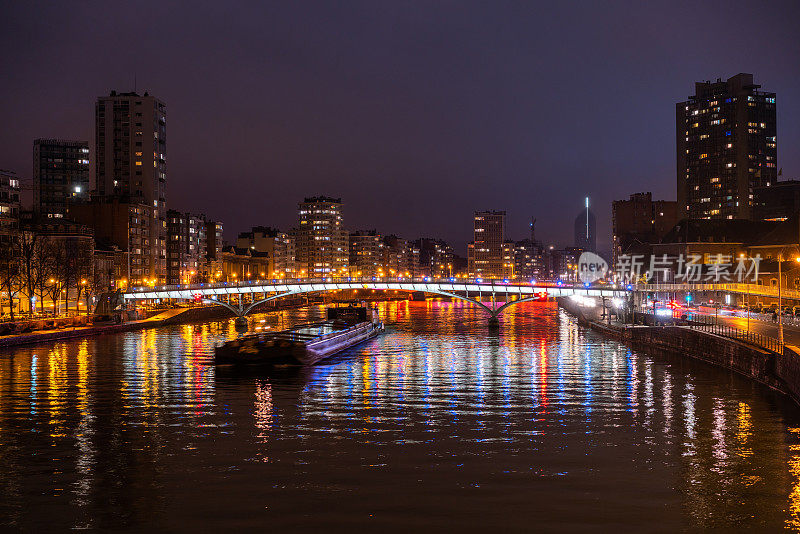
(718, 231)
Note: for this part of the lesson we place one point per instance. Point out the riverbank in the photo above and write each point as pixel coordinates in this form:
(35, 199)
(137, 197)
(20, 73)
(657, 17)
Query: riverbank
(164, 318)
(172, 316)
(779, 371)
(167, 317)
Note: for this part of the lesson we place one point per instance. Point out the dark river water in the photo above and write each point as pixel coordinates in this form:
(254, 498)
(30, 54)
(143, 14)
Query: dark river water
(438, 425)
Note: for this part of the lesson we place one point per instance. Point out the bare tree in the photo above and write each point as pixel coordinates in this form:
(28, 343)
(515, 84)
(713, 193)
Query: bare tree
(59, 272)
(10, 273)
(36, 265)
(77, 271)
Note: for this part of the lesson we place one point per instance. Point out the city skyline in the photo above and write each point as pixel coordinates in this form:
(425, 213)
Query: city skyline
(476, 86)
(434, 266)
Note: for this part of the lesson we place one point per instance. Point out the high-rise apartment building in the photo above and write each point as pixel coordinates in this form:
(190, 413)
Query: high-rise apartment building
(639, 222)
(398, 257)
(485, 255)
(60, 176)
(726, 147)
(530, 257)
(321, 241)
(131, 135)
(278, 247)
(436, 258)
(186, 248)
(9, 206)
(366, 253)
(214, 247)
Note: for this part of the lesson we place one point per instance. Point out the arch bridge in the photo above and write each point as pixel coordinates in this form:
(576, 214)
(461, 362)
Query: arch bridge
(473, 292)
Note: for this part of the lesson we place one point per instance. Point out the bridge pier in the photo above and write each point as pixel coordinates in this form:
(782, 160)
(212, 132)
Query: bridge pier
(494, 322)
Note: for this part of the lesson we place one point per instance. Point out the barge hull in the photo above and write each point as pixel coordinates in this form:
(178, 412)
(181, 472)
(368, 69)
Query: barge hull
(318, 350)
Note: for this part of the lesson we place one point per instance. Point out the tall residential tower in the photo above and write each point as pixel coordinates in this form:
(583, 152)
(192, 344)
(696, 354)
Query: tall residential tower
(726, 147)
(131, 168)
(486, 255)
(321, 242)
(60, 176)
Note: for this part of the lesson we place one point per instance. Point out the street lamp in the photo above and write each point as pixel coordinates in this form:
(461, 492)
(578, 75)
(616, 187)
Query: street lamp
(780, 305)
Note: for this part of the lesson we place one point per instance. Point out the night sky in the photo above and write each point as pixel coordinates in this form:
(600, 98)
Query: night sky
(415, 113)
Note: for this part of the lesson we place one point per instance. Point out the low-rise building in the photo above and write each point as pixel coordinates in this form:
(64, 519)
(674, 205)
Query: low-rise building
(639, 222)
(776, 202)
(698, 247)
(126, 224)
(110, 266)
(243, 264)
(279, 247)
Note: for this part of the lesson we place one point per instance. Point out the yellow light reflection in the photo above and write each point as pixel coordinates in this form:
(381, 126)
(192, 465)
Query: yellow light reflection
(793, 521)
(745, 430)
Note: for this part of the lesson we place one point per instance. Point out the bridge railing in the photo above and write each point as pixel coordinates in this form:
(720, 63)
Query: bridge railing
(753, 289)
(709, 324)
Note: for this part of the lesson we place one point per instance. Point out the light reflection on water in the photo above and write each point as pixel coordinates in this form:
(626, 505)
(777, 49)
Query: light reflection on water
(436, 424)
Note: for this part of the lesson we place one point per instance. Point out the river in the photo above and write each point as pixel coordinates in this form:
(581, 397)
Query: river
(436, 425)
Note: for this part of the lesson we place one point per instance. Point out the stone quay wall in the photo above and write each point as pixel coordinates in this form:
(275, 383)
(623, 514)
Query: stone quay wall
(780, 371)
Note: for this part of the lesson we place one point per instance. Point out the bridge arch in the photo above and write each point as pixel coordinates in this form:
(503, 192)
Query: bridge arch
(216, 302)
(467, 299)
(512, 303)
(242, 311)
(463, 290)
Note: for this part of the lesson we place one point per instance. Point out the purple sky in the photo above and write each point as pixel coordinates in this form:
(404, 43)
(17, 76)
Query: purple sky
(415, 113)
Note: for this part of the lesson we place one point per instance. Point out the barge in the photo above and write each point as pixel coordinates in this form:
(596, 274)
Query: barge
(305, 344)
